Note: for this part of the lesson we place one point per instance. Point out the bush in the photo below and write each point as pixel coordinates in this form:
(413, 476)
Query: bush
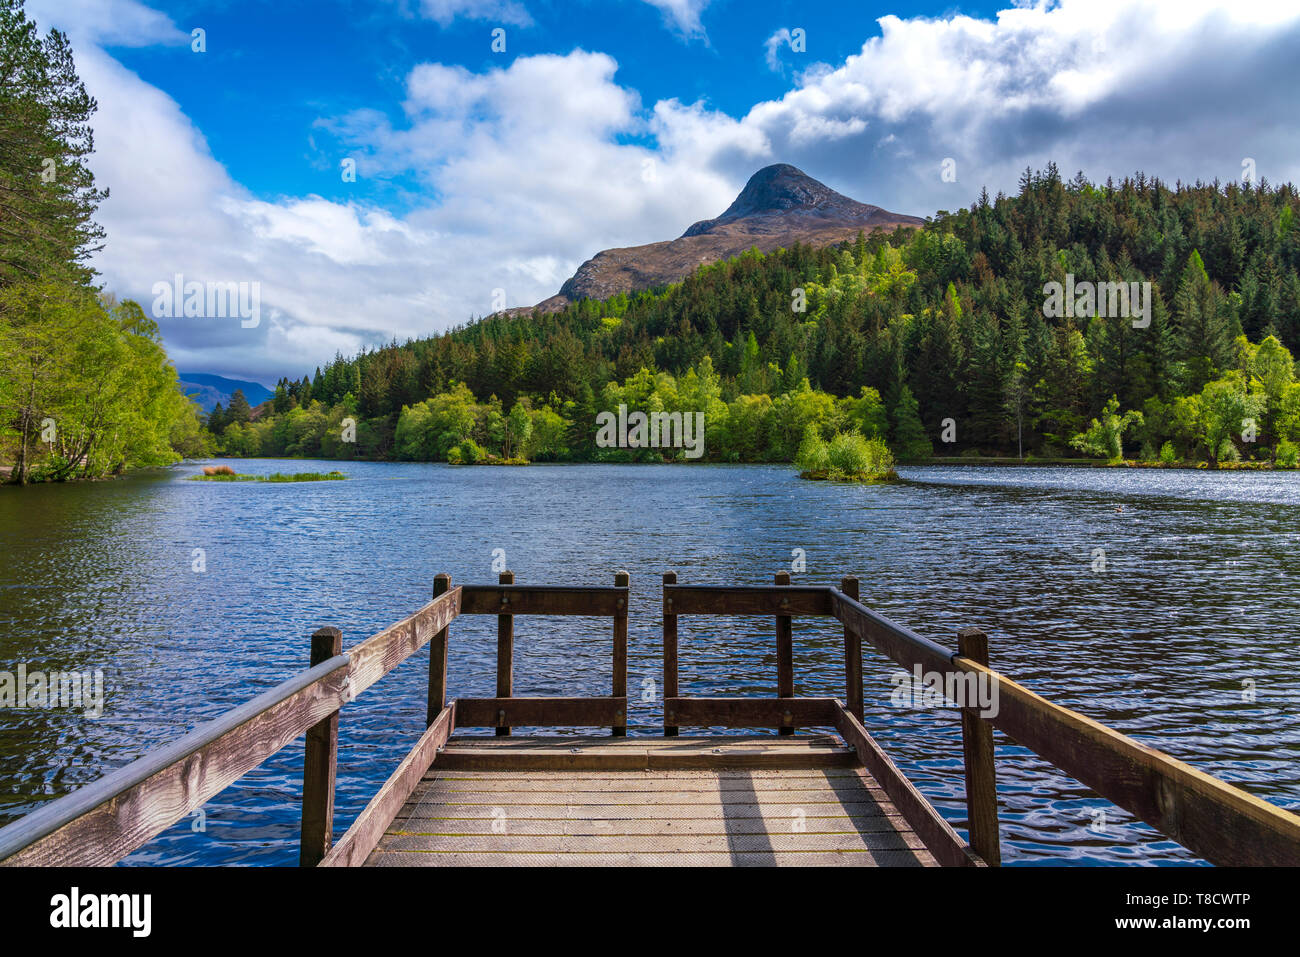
(850, 454)
(1167, 454)
(468, 452)
(1288, 454)
(849, 457)
(1228, 451)
(813, 455)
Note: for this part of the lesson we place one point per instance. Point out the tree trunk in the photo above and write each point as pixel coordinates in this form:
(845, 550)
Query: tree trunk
(21, 468)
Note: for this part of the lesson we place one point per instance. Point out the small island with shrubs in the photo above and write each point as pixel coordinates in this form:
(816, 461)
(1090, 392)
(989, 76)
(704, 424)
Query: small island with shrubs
(224, 473)
(847, 457)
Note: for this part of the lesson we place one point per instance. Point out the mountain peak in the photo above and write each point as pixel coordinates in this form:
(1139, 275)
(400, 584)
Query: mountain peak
(780, 205)
(783, 190)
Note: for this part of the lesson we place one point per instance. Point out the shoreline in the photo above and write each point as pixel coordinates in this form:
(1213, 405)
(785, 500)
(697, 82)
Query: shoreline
(937, 461)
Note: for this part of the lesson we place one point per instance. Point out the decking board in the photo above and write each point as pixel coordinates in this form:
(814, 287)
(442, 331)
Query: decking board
(753, 800)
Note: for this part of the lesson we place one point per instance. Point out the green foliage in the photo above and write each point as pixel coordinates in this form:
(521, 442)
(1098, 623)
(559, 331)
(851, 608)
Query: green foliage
(813, 454)
(1105, 436)
(900, 331)
(855, 457)
(274, 477)
(49, 193)
(909, 434)
(849, 456)
(86, 388)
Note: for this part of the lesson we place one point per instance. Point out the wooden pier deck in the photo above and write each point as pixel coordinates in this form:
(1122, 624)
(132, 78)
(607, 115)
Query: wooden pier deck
(591, 801)
(820, 790)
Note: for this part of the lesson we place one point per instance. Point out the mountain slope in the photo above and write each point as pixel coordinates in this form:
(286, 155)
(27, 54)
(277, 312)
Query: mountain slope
(209, 389)
(780, 205)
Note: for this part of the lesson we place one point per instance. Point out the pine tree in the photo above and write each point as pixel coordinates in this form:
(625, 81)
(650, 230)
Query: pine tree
(50, 197)
(909, 438)
(239, 411)
(1205, 341)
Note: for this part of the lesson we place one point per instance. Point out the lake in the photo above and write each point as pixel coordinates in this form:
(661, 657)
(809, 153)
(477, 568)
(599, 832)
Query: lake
(1181, 631)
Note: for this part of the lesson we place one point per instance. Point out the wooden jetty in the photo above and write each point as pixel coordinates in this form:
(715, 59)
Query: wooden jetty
(819, 791)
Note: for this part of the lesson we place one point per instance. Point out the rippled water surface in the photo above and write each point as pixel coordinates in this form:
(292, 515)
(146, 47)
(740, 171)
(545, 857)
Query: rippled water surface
(1186, 640)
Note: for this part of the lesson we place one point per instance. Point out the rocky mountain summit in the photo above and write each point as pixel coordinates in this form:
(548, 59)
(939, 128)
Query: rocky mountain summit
(780, 205)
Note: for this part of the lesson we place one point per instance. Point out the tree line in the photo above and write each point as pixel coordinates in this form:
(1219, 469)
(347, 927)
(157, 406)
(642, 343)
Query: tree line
(86, 389)
(937, 339)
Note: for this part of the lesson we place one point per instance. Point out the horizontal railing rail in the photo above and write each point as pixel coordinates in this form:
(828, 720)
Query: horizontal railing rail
(108, 819)
(1210, 817)
(506, 600)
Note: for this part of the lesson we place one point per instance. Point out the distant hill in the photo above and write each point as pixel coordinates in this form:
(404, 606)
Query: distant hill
(208, 389)
(779, 206)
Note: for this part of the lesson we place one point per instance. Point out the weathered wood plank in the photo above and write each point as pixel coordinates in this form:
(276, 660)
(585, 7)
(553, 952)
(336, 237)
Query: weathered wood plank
(733, 843)
(722, 777)
(784, 653)
(596, 602)
(577, 783)
(900, 644)
(944, 843)
(852, 656)
(540, 712)
(670, 650)
(104, 821)
(505, 653)
(784, 712)
(718, 824)
(776, 797)
(681, 859)
(1221, 823)
(766, 600)
(977, 752)
(621, 580)
(632, 754)
(382, 652)
(730, 812)
(717, 816)
(360, 839)
(319, 765)
(437, 660)
(701, 742)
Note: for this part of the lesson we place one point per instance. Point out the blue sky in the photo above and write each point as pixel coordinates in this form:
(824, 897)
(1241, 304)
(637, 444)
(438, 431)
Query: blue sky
(272, 70)
(484, 177)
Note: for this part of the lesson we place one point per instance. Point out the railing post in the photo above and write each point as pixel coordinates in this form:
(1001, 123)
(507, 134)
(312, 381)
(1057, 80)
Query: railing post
(852, 656)
(670, 653)
(977, 751)
(319, 764)
(621, 580)
(438, 660)
(784, 651)
(505, 650)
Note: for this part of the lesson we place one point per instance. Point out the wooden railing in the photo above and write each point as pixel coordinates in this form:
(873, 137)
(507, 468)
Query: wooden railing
(1219, 822)
(506, 600)
(107, 820)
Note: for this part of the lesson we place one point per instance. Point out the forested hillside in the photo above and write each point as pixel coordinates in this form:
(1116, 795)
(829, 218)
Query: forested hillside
(935, 339)
(85, 387)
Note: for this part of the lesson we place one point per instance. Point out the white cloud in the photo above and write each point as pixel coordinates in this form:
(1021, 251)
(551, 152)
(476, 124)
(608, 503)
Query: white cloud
(683, 15)
(108, 22)
(772, 47)
(443, 12)
(1181, 90)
